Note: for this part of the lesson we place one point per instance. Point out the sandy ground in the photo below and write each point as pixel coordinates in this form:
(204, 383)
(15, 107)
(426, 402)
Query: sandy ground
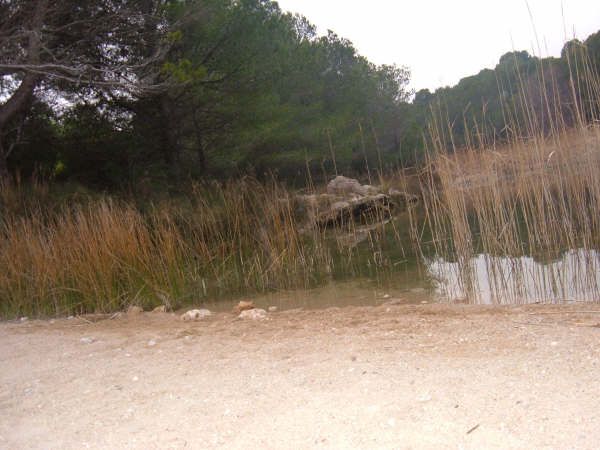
(427, 376)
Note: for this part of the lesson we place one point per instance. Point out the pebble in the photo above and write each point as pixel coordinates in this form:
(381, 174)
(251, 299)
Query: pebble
(272, 309)
(87, 340)
(424, 398)
(253, 314)
(24, 319)
(196, 314)
(151, 343)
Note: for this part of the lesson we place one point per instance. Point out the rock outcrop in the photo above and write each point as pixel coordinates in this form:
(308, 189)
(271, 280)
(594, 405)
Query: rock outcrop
(347, 200)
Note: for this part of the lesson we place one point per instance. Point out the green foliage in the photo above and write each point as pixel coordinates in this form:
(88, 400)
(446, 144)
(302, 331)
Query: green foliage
(248, 88)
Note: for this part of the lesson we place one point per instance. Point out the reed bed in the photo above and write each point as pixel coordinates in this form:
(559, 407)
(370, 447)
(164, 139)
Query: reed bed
(222, 240)
(535, 193)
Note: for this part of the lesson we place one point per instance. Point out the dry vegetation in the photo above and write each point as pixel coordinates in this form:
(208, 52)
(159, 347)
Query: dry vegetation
(101, 255)
(537, 194)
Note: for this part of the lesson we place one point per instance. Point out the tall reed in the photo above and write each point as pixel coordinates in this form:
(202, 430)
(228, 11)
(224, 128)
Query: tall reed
(535, 193)
(241, 237)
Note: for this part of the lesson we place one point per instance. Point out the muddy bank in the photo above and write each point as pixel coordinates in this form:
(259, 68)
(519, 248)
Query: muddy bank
(429, 376)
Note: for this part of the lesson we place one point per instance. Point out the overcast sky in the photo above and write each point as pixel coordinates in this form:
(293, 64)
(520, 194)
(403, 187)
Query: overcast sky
(443, 41)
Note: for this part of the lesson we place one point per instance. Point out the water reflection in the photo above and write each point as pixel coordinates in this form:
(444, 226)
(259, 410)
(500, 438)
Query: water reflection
(489, 279)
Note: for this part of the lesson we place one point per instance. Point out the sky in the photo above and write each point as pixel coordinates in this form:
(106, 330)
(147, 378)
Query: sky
(445, 40)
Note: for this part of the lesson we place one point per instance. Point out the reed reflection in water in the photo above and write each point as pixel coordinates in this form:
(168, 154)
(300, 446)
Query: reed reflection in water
(485, 279)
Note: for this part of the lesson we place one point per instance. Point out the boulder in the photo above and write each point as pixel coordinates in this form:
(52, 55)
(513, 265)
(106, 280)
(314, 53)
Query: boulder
(344, 186)
(196, 314)
(253, 314)
(402, 199)
(362, 209)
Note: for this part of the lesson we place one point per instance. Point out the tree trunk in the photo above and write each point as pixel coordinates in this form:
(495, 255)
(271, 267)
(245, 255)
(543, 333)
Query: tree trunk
(4, 174)
(199, 145)
(19, 102)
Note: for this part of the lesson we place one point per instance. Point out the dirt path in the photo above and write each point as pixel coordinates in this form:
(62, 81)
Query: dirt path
(383, 377)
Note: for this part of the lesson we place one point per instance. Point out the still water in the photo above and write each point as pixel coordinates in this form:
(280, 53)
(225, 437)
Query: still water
(485, 279)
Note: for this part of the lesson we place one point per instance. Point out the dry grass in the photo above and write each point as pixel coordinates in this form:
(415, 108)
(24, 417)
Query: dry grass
(101, 255)
(537, 194)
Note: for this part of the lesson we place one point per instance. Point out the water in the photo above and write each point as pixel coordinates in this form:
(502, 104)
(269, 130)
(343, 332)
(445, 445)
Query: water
(486, 279)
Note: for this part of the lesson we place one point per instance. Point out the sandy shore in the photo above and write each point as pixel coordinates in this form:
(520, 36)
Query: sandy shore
(427, 376)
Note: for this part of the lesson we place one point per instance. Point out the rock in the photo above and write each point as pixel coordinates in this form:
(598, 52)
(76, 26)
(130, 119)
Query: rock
(160, 309)
(340, 205)
(87, 340)
(272, 309)
(386, 296)
(363, 209)
(253, 314)
(24, 319)
(134, 310)
(244, 305)
(345, 186)
(402, 199)
(196, 314)
(151, 343)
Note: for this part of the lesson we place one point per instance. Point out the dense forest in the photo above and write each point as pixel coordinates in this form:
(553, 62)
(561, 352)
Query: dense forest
(124, 94)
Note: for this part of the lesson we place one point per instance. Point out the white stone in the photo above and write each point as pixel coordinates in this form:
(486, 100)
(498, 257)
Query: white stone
(253, 314)
(272, 308)
(151, 343)
(196, 314)
(87, 340)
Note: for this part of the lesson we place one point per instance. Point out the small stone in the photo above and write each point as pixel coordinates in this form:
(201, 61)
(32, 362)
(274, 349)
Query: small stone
(134, 310)
(244, 305)
(253, 314)
(87, 340)
(151, 343)
(196, 314)
(160, 309)
(386, 296)
(553, 343)
(24, 319)
(272, 309)
(135, 379)
(424, 398)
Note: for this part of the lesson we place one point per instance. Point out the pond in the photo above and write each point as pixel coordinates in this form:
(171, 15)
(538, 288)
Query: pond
(486, 279)
(483, 279)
